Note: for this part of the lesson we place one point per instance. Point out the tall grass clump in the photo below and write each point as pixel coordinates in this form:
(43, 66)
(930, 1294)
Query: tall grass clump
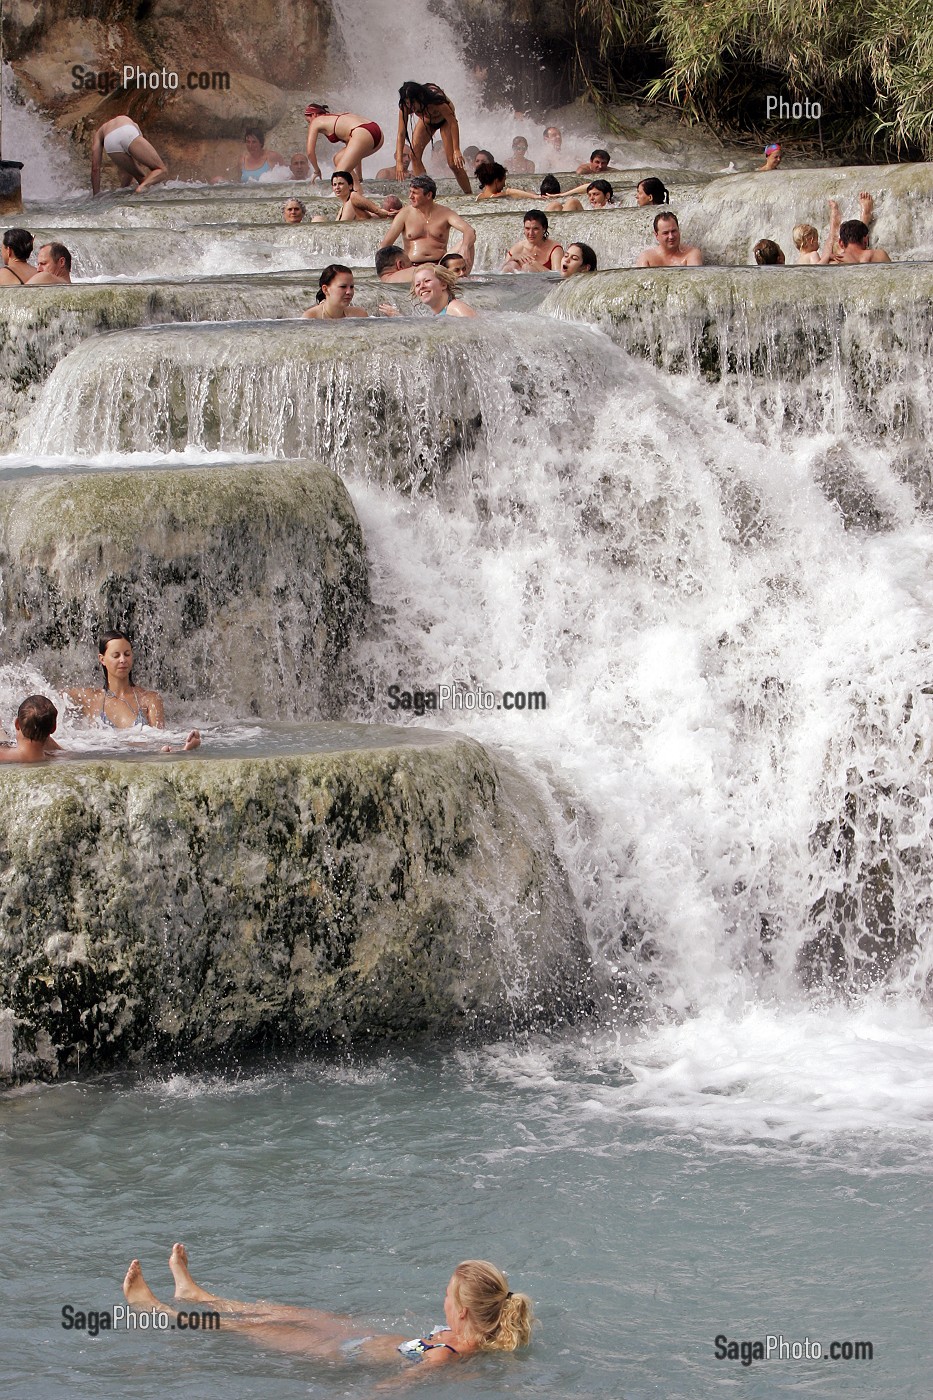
(869, 63)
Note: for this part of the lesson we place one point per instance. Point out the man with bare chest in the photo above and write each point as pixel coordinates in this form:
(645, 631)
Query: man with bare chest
(424, 227)
(670, 252)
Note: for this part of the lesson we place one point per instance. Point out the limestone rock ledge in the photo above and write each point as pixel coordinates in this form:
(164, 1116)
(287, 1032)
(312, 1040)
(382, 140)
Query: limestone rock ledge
(242, 587)
(194, 909)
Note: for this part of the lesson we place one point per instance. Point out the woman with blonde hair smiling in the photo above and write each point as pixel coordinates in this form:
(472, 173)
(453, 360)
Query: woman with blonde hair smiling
(436, 288)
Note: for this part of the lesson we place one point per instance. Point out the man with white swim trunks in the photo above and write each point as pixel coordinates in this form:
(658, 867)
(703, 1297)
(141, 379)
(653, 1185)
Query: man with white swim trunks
(121, 139)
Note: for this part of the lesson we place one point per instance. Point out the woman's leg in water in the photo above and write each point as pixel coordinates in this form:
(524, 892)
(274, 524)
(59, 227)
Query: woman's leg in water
(420, 137)
(302, 1330)
(463, 180)
(187, 1291)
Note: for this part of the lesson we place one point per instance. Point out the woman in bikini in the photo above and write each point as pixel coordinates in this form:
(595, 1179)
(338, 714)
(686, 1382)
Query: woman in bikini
(353, 205)
(360, 138)
(432, 111)
(256, 161)
(536, 252)
(120, 704)
(481, 1314)
(335, 293)
(17, 250)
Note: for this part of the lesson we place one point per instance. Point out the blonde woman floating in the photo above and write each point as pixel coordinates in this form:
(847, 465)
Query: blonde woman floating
(481, 1314)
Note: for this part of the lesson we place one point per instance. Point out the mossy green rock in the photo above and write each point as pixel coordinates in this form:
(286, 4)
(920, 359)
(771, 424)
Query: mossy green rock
(197, 908)
(241, 587)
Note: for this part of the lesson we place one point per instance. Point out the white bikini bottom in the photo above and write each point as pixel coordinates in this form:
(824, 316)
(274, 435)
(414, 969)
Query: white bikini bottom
(120, 139)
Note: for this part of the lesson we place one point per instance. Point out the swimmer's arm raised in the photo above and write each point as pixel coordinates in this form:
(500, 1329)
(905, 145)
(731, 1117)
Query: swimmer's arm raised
(828, 251)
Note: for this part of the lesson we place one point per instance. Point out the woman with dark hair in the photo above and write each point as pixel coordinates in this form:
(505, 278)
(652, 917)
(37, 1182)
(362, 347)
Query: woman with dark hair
(578, 257)
(120, 703)
(536, 252)
(651, 191)
(432, 111)
(481, 1314)
(360, 138)
(550, 188)
(491, 178)
(335, 293)
(256, 160)
(600, 194)
(519, 163)
(17, 250)
(353, 205)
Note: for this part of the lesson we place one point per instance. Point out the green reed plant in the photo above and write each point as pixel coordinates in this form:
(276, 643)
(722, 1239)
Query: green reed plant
(868, 62)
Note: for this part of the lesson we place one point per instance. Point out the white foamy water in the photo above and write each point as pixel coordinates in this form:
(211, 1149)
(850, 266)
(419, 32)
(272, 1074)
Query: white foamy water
(49, 170)
(757, 1078)
(726, 669)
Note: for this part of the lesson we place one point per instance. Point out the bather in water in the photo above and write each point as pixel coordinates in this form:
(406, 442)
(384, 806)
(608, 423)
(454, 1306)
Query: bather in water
(481, 1314)
(121, 704)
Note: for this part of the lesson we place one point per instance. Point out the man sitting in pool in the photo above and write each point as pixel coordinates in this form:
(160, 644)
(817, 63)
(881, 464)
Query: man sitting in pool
(425, 227)
(53, 265)
(597, 163)
(393, 265)
(35, 724)
(670, 252)
(481, 1314)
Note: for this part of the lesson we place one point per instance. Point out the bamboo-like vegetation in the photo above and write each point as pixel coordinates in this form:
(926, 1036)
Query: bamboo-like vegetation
(868, 62)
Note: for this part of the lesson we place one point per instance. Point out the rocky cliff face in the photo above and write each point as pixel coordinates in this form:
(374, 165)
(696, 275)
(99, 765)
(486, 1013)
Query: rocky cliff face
(199, 566)
(235, 63)
(202, 909)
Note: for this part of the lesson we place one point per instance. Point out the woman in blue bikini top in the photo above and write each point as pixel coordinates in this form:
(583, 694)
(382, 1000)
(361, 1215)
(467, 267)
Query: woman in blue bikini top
(256, 160)
(120, 704)
(481, 1314)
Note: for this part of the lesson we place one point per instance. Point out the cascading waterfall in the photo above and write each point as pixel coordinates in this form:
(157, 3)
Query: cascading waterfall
(379, 403)
(721, 735)
(30, 137)
(840, 356)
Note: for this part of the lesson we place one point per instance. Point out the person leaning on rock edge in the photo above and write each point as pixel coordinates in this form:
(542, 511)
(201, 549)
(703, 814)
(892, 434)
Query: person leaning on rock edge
(135, 158)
